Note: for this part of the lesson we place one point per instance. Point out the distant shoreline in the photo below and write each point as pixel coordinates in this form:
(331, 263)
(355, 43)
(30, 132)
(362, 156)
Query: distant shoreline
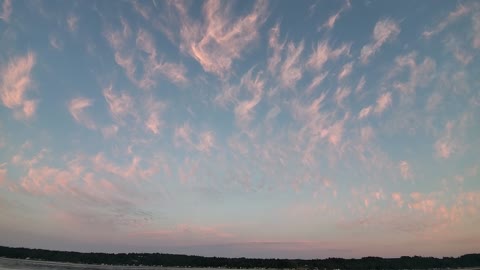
(99, 266)
(148, 261)
(105, 266)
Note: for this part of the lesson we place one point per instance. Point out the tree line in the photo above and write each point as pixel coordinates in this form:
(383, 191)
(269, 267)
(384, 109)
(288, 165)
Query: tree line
(161, 259)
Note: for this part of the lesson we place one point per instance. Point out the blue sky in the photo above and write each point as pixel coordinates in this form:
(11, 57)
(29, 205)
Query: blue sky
(245, 128)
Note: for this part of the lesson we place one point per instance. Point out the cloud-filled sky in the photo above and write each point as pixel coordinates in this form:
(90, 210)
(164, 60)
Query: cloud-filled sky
(294, 129)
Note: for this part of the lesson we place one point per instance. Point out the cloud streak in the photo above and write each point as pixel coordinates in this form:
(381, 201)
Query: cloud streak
(385, 30)
(16, 79)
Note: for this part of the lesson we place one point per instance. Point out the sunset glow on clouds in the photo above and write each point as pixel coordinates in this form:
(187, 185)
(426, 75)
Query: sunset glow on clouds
(246, 128)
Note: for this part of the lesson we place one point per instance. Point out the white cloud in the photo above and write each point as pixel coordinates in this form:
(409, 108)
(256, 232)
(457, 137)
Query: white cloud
(55, 42)
(72, 23)
(405, 170)
(15, 81)
(385, 30)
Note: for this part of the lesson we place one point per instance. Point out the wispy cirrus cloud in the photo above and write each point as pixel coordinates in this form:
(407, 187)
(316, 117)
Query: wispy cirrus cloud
(445, 146)
(6, 10)
(385, 30)
(55, 42)
(77, 107)
(324, 52)
(453, 16)
(291, 69)
(129, 58)
(476, 30)
(277, 47)
(330, 23)
(154, 110)
(383, 102)
(72, 22)
(119, 104)
(184, 136)
(421, 73)
(16, 79)
(220, 38)
(405, 170)
(244, 109)
(345, 71)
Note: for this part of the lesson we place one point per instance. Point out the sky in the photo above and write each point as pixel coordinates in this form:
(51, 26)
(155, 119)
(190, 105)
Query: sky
(287, 129)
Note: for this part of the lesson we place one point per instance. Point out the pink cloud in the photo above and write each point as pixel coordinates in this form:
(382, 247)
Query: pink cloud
(316, 81)
(140, 9)
(385, 30)
(6, 10)
(323, 53)
(77, 107)
(183, 135)
(15, 81)
(220, 40)
(291, 70)
(127, 58)
(244, 109)
(445, 146)
(420, 74)
(364, 112)
(397, 198)
(154, 123)
(476, 30)
(187, 232)
(277, 48)
(109, 131)
(204, 142)
(366, 134)
(330, 23)
(383, 102)
(461, 11)
(361, 84)
(346, 70)
(132, 171)
(341, 94)
(119, 104)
